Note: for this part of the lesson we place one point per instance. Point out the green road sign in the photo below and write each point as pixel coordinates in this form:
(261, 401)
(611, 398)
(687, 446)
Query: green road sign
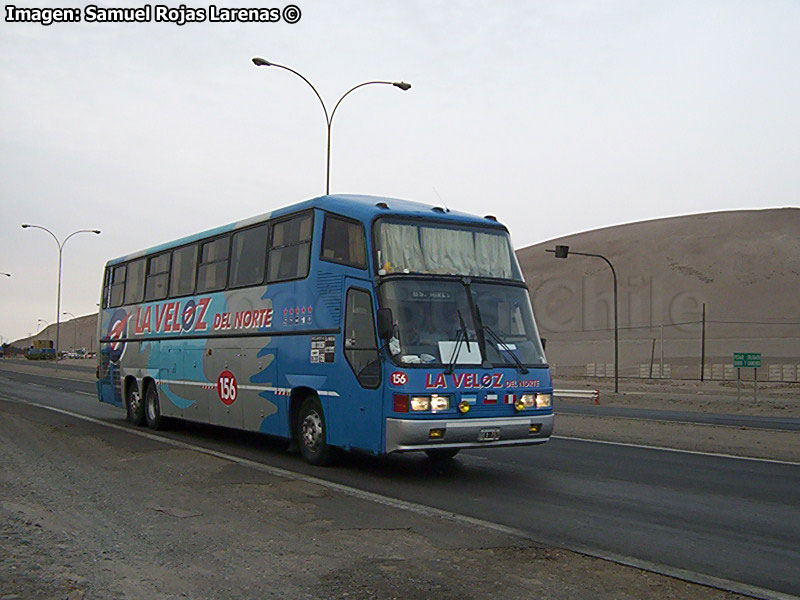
(746, 360)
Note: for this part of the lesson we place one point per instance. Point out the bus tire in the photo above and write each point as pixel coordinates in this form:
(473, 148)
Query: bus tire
(152, 408)
(134, 406)
(312, 434)
(442, 454)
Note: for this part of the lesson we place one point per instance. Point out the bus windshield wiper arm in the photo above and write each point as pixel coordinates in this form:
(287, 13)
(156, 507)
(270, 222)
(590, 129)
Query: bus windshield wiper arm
(464, 329)
(461, 336)
(506, 348)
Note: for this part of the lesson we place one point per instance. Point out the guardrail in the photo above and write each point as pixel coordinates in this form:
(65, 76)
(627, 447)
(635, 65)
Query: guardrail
(593, 395)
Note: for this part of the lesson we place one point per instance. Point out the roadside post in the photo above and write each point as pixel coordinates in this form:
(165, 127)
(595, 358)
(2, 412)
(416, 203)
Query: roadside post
(747, 360)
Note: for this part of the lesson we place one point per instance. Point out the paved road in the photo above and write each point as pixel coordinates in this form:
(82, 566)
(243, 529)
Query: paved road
(721, 517)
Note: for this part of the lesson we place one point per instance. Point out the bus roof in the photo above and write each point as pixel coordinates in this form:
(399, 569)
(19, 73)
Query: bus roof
(361, 207)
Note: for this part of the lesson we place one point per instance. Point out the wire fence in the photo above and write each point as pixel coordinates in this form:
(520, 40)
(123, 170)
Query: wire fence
(694, 349)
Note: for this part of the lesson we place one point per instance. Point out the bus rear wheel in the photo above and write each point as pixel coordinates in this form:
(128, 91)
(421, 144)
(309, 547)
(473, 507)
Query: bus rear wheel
(442, 453)
(312, 434)
(134, 407)
(153, 408)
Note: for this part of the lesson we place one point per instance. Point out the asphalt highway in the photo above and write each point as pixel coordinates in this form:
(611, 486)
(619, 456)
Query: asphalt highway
(702, 516)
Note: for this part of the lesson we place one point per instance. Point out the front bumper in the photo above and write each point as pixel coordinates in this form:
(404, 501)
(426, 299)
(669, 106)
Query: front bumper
(405, 435)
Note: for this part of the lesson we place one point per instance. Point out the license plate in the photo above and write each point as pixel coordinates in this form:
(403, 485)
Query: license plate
(489, 435)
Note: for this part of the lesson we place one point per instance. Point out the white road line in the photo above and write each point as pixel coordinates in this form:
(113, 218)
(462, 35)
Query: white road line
(430, 511)
(85, 394)
(665, 449)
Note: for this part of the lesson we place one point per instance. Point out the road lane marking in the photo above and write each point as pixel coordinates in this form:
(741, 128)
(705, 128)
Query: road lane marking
(430, 511)
(665, 449)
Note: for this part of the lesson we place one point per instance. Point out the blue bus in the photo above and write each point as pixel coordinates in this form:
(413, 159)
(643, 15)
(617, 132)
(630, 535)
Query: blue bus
(342, 322)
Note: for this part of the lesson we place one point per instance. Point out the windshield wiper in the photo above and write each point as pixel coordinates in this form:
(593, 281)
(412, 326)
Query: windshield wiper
(461, 336)
(463, 329)
(522, 368)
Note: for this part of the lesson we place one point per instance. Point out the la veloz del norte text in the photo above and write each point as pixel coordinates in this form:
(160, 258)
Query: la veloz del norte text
(152, 13)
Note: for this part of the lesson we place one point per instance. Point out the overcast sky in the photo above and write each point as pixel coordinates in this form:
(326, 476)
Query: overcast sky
(556, 116)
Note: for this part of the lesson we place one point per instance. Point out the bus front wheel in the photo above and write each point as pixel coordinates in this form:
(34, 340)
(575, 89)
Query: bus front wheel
(134, 407)
(152, 408)
(312, 434)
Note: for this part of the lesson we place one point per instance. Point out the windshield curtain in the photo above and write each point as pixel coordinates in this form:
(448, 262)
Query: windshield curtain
(427, 324)
(445, 250)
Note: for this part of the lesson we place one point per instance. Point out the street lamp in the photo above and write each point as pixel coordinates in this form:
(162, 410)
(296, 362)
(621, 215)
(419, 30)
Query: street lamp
(261, 62)
(60, 253)
(563, 252)
(6, 274)
(39, 322)
(69, 313)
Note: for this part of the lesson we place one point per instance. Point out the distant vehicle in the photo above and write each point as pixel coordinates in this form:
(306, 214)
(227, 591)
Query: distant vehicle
(342, 322)
(41, 350)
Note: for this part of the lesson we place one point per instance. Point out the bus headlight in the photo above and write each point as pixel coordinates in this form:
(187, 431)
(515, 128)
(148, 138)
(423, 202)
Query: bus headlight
(528, 400)
(439, 403)
(544, 400)
(434, 403)
(419, 403)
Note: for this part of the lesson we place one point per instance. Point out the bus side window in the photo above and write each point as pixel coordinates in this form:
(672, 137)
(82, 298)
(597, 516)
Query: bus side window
(248, 256)
(290, 249)
(157, 277)
(184, 271)
(106, 287)
(134, 288)
(343, 242)
(213, 271)
(117, 293)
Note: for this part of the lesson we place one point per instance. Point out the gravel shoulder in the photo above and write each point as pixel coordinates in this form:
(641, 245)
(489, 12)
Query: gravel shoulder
(89, 512)
(772, 399)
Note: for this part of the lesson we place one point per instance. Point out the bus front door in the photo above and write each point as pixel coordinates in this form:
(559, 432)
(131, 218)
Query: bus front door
(363, 377)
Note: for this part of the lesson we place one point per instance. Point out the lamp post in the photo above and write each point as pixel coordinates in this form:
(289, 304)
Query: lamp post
(60, 253)
(563, 252)
(6, 274)
(261, 62)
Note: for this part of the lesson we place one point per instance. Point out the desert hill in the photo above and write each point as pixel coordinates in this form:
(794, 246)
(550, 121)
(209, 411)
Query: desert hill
(743, 265)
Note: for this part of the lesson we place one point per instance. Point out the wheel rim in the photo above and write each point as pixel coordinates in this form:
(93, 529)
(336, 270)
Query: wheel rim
(151, 406)
(312, 430)
(134, 402)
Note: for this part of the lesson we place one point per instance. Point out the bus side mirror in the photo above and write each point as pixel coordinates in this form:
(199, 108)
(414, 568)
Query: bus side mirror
(385, 323)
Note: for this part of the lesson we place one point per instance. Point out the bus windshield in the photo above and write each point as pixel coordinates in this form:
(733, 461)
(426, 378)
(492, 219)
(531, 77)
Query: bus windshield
(432, 248)
(431, 315)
